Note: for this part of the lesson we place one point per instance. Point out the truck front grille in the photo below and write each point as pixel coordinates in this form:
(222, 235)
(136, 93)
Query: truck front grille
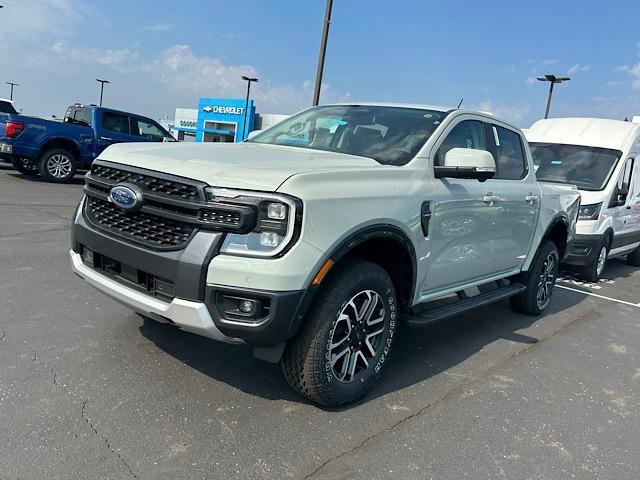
(160, 186)
(138, 227)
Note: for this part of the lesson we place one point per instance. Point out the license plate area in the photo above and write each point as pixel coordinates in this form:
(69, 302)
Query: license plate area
(131, 276)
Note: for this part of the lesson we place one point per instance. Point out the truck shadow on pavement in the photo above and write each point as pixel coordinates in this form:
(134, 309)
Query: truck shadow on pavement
(418, 355)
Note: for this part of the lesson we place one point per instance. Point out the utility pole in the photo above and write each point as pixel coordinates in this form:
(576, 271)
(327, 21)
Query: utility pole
(552, 79)
(246, 103)
(323, 50)
(102, 82)
(12, 85)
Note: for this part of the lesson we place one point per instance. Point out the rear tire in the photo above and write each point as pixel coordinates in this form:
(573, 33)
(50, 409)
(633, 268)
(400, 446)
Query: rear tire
(25, 166)
(539, 280)
(57, 165)
(592, 272)
(341, 349)
(633, 258)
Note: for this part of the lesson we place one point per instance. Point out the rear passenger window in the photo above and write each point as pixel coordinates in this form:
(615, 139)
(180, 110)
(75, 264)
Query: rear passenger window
(115, 122)
(510, 162)
(466, 134)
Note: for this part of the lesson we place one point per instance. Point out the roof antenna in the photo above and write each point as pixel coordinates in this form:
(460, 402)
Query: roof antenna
(461, 100)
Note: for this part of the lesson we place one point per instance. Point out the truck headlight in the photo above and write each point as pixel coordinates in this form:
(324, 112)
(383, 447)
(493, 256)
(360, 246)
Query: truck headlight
(589, 212)
(277, 222)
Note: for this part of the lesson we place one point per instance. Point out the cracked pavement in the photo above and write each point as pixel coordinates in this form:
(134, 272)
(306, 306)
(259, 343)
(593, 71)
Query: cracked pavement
(90, 390)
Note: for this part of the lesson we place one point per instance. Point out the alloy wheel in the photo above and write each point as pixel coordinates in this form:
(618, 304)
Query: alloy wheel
(59, 166)
(356, 336)
(547, 280)
(602, 259)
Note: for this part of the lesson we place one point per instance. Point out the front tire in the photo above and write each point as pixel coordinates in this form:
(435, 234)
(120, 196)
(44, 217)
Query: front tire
(539, 280)
(592, 272)
(57, 165)
(340, 352)
(25, 166)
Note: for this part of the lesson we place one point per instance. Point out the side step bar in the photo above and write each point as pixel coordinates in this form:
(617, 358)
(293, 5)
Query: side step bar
(465, 303)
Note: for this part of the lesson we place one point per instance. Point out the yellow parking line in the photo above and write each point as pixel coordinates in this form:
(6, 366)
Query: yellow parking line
(599, 296)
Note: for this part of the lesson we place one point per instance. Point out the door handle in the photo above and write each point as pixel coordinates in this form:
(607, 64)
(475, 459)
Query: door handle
(531, 198)
(490, 198)
(106, 138)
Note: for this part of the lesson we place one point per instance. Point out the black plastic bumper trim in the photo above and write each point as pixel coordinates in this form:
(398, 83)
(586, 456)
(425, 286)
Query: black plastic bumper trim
(187, 267)
(277, 327)
(589, 244)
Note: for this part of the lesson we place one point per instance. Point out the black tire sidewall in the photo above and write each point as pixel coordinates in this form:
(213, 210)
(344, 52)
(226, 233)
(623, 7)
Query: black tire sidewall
(42, 164)
(312, 344)
(533, 276)
(590, 272)
(387, 294)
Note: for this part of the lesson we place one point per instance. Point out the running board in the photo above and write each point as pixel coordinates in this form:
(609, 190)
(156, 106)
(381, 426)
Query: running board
(468, 303)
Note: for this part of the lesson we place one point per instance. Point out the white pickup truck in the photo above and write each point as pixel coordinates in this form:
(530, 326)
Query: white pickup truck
(318, 238)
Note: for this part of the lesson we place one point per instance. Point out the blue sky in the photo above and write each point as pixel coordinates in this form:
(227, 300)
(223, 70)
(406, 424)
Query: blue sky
(161, 55)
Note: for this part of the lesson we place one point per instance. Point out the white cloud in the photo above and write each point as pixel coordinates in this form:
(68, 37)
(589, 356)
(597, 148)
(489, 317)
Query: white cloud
(579, 68)
(512, 113)
(548, 61)
(531, 80)
(622, 68)
(115, 58)
(180, 69)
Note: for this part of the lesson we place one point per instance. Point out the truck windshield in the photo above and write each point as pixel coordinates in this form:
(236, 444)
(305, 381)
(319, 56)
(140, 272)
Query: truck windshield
(589, 168)
(389, 135)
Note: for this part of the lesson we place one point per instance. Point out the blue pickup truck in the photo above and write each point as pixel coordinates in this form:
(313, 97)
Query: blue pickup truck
(56, 149)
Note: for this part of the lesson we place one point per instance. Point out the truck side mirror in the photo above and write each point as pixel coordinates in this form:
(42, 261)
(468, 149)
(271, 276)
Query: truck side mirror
(467, 163)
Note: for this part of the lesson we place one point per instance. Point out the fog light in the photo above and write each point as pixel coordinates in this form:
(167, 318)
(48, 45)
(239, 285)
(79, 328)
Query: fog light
(277, 211)
(248, 307)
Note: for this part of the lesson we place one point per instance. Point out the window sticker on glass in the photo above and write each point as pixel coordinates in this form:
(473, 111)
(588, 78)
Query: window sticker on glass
(336, 121)
(556, 162)
(495, 136)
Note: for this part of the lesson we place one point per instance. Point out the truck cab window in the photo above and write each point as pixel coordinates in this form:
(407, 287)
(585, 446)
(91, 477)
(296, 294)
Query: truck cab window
(466, 134)
(148, 130)
(115, 122)
(510, 155)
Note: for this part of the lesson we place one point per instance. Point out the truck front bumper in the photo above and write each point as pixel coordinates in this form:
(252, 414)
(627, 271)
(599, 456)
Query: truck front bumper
(584, 250)
(175, 287)
(188, 315)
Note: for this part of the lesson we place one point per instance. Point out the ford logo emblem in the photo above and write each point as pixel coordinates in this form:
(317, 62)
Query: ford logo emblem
(127, 197)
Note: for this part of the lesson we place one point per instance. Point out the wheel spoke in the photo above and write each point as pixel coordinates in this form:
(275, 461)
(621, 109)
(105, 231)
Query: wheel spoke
(354, 337)
(337, 356)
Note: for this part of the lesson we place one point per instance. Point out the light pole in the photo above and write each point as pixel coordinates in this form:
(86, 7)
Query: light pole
(552, 79)
(102, 82)
(323, 50)
(246, 103)
(12, 85)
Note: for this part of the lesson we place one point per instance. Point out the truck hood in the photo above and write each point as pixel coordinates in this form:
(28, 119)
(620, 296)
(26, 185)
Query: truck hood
(248, 166)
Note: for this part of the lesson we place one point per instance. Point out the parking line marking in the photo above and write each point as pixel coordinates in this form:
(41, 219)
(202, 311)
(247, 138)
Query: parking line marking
(637, 305)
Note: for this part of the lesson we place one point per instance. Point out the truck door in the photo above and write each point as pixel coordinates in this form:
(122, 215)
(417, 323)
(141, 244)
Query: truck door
(520, 195)
(466, 236)
(625, 206)
(114, 127)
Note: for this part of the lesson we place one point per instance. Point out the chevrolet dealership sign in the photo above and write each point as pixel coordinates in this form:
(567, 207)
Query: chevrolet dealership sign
(221, 109)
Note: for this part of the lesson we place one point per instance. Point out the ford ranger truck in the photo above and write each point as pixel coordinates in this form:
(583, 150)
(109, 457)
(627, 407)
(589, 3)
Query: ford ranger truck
(319, 238)
(55, 150)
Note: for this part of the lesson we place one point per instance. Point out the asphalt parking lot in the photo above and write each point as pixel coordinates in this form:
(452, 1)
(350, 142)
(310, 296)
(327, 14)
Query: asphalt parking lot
(90, 390)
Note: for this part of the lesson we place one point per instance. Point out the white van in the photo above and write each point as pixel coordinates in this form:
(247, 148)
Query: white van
(599, 156)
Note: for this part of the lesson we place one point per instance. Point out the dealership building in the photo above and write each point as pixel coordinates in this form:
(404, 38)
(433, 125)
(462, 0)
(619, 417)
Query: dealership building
(219, 120)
